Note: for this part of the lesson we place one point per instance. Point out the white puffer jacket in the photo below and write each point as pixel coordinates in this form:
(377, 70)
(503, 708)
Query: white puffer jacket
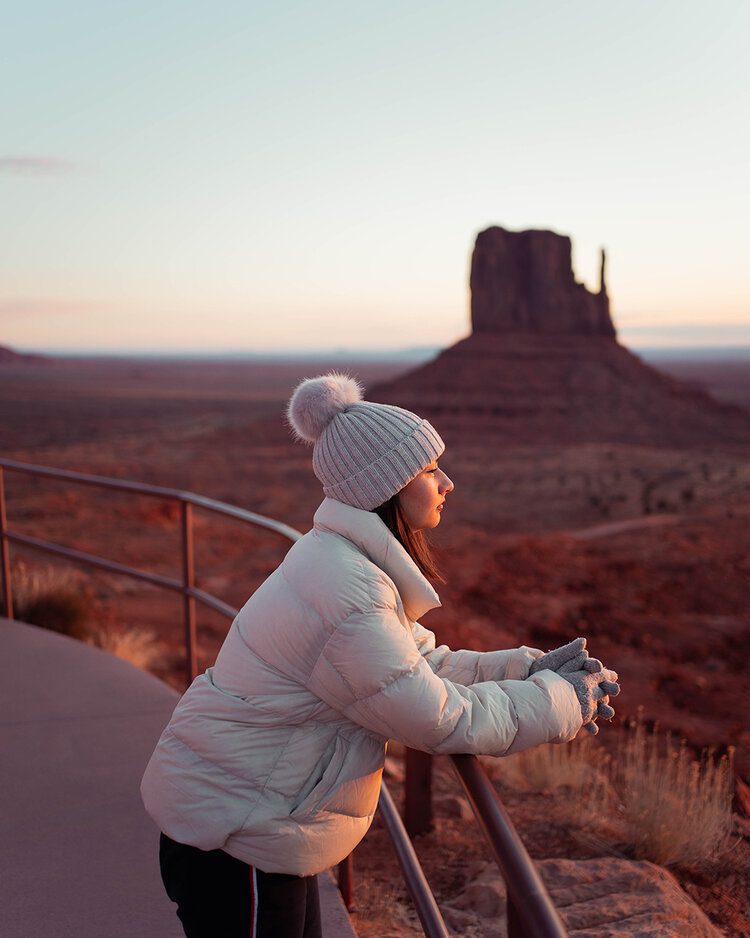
(276, 753)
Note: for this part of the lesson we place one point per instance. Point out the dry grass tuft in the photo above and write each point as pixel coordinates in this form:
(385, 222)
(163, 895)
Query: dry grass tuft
(652, 800)
(675, 810)
(50, 598)
(137, 646)
(545, 768)
(58, 600)
(580, 766)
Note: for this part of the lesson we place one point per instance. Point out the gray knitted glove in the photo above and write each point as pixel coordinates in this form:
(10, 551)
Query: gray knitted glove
(570, 657)
(604, 711)
(593, 689)
(572, 662)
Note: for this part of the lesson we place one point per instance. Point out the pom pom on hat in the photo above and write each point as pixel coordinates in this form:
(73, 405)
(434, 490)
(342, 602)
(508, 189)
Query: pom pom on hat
(316, 401)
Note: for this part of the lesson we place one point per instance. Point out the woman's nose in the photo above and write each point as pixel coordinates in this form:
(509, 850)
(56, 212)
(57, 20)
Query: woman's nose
(446, 485)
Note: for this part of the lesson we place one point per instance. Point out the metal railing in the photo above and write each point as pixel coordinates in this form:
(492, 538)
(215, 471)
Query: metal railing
(530, 909)
(531, 913)
(185, 586)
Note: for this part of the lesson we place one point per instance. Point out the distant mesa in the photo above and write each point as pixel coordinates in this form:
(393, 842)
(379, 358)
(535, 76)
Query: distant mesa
(9, 356)
(543, 363)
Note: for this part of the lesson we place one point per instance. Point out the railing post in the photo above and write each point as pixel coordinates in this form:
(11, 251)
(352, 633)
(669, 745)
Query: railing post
(418, 792)
(346, 880)
(5, 552)
(188, 580)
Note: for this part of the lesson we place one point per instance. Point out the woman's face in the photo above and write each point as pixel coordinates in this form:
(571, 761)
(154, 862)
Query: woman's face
(423, 498)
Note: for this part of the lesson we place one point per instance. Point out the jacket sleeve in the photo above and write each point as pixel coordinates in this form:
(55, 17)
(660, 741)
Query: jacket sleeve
(372, 672)
(469, 667)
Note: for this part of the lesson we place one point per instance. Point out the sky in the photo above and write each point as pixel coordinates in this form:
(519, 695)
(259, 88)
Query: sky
(195, 177)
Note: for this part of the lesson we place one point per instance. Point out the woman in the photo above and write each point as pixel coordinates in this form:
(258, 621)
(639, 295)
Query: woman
(269, 770)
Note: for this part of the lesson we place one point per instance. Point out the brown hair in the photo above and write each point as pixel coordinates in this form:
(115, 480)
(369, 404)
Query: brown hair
(415, 543)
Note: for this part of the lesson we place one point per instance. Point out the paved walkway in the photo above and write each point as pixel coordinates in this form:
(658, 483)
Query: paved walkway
(79, 853)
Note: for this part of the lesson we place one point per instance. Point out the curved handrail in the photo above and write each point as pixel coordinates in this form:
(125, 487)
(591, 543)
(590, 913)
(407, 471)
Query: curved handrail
(159, 491)
(530, 909)
(111, 566)
(416, 882)
(186, 586)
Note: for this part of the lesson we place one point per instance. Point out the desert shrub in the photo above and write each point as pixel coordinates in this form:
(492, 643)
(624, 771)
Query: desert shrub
(545, 768)
(580, 766)
(138, 646)
(59, 600)
(50, 598)
(675, 810)
(653, 800)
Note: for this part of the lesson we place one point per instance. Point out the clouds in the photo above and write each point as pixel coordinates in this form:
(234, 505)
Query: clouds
(36, 166)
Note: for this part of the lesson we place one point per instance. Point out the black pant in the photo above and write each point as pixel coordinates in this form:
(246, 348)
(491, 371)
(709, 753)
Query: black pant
(219, 896)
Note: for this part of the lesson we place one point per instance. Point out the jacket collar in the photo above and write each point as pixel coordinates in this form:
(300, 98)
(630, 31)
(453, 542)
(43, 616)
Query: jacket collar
(370, 534)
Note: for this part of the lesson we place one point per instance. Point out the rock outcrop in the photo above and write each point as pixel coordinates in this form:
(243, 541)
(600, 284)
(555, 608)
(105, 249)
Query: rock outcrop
(603, 898)
(543, 363)
(522, 282)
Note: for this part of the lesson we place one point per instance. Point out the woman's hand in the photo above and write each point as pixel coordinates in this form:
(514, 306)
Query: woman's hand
(593, 691)
(572, 662)
(572, 657)
(604, 711)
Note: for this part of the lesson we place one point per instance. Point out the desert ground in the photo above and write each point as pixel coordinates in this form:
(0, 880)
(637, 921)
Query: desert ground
(644, 550)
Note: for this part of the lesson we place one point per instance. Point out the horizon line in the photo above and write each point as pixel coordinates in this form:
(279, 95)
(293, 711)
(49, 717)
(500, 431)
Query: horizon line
(412, 353)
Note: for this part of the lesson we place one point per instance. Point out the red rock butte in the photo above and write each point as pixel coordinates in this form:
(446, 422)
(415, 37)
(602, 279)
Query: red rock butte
(543, 363)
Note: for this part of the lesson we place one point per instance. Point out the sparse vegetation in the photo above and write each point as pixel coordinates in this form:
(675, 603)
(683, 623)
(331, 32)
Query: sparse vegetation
(581, 766)
(546, 767)
(50, 598)
(60, 601)
(138, 646)
(676, 810)
(651, 800)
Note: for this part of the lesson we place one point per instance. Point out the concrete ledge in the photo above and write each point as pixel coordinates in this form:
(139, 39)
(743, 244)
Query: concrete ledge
(336, 920)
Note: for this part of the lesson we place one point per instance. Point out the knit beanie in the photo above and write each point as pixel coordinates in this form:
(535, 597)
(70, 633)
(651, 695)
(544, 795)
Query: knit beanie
(363, 452)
